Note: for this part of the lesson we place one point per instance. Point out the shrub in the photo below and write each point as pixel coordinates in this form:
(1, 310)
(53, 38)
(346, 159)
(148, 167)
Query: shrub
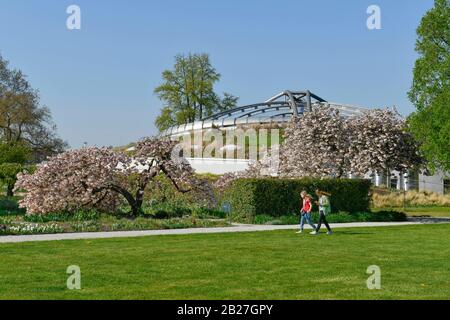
(10, 206)
(168, 210)
(383, 216)
(163, 191)
(340, 217)
(80, 215)
(202, 212)
(278, 197)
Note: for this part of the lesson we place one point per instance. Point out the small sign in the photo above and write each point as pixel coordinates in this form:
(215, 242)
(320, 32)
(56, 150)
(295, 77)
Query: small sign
(226, 207)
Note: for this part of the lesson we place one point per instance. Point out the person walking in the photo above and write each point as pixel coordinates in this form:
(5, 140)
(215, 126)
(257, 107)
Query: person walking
(324, 209)
(305, 213)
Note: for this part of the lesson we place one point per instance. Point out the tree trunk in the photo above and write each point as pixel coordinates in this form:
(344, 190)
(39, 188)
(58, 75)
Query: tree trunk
(340, 172)
(139, 199)
(9, 190)
(135, 207)
(388, 178)
(141, 190)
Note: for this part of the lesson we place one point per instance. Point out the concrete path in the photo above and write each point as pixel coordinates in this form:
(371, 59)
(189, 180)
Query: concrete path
(234, 228)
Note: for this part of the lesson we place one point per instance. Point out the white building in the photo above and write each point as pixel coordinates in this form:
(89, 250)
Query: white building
(438, 183)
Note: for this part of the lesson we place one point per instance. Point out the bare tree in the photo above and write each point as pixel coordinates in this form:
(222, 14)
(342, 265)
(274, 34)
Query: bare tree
(22, 118)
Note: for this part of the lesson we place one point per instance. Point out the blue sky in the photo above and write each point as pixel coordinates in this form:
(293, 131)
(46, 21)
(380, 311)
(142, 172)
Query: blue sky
(99, 81)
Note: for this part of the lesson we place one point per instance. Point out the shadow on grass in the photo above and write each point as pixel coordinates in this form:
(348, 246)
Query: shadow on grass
(350, 233)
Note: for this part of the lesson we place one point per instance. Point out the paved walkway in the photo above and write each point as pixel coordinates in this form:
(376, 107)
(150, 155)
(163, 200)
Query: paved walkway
(234, 228)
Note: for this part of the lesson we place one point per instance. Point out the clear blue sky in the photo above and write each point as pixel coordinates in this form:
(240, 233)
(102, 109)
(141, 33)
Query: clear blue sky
(99, 81)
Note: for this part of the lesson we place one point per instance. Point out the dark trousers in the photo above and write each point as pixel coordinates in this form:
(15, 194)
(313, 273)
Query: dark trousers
(322, 219)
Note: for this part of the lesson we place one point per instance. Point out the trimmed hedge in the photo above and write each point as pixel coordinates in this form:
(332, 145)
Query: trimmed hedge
(278, 197)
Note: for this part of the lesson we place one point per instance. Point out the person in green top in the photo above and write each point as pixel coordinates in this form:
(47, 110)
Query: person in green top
(324, 209)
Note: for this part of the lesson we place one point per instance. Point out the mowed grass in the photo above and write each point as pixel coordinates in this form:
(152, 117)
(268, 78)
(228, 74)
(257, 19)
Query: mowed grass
(414, 262)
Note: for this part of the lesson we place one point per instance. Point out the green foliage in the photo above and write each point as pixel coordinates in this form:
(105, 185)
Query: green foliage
(13, 157)
(382, 216)
(228, 102)
(13, 220)
(430, 91)
(168, 210)
(431, 127)
(278, 197)
(14, 153)
(82, 215)
(9, 206)
(166, 119)
(202, 212)
(9, 172)
(161, 190)
(62, 223)
(188, 91)
(340, 217)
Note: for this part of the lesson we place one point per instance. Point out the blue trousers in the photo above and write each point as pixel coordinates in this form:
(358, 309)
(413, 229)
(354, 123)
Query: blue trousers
(306, 216)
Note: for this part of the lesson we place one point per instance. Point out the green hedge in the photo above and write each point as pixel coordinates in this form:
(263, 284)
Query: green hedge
(278, 197)
(10, 206)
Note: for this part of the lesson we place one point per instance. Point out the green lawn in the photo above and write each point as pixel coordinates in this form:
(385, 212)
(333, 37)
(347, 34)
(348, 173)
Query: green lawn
(414, 262)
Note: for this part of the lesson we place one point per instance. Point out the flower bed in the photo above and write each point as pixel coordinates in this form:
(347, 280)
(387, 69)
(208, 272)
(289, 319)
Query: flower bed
(16, 225)
(14, 221)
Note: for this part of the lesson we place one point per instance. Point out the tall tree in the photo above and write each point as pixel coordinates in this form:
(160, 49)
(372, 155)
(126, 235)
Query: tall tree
(188, 91)
(228, 102)
(22, 118)
(430, 91)
(13, 159)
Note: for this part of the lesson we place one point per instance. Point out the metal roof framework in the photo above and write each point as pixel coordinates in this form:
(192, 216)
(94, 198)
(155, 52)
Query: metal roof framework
(278, 109)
